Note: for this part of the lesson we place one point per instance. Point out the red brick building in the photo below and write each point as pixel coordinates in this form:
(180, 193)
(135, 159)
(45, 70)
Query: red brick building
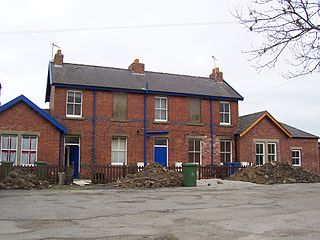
(29, 134)
(261, 138)
(133, 116)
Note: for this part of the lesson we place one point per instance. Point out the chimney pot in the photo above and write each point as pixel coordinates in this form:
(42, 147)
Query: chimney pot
(136, 67)
(58, 58)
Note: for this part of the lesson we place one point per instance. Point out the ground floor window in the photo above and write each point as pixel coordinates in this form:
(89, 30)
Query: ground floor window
(195, 151)
(265, 152)
(9, 144)
(260, 153)
(119, 150)
(28, 150)
(226, 150)
(296, 157)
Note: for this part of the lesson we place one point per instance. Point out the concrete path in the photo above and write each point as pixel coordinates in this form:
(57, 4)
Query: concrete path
(231, 210)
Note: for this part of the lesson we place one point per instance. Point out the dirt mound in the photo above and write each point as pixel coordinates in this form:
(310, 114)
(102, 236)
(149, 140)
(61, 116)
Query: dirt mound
(18, 179)
(153, 176)
(274, 172)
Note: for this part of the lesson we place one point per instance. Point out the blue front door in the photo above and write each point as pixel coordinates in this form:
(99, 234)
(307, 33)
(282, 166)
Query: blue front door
(161, 151)
(74, 159)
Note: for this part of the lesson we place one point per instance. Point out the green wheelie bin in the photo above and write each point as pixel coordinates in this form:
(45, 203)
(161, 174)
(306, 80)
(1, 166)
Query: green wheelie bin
(189, 171)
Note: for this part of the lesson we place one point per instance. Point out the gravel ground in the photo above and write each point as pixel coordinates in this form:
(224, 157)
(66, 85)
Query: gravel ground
(231, 210)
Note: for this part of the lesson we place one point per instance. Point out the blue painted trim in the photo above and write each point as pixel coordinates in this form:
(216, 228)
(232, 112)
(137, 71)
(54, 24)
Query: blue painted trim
(145, 126)
(211, 133)
(49, 83)
(94, 126)
(150, 133)
(149, 92)
(45, 115)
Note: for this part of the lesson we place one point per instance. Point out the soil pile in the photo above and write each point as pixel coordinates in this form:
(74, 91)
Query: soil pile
(153, 176)
(18, 179)
(274, 172)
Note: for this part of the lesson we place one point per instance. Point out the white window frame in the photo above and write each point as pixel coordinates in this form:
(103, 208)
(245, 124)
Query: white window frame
(225, 152)
(74, 103)
(263, 154)
(119, 150)
(296, 158)
(272, 154)
(194, 150)
(228, 122)
(9, 149)
(28, 150)
(160, 109)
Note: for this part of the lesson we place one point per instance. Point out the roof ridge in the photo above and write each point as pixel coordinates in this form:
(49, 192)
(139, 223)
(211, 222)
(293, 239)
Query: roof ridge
(250, 114)
(117, 68)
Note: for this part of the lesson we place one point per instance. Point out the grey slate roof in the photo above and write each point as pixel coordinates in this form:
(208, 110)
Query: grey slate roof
(87, 75)
(297, 133)
(247, 120)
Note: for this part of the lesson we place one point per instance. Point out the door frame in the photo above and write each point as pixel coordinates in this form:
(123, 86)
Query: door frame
(73, 144)
(167, 147)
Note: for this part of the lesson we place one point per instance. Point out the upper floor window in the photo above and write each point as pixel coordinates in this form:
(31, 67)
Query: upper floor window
(194, 110)
(74, 103)
(226, 150)
(119, 150)
(225, 115)
(119, 102)
(8, 149)
(296, 157)
(161, 109)
(28, 150)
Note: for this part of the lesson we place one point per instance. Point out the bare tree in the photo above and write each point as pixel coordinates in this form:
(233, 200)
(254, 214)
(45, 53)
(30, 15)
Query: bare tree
(290, 29)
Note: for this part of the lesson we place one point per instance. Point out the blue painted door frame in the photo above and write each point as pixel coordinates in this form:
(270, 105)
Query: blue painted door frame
(161, 154)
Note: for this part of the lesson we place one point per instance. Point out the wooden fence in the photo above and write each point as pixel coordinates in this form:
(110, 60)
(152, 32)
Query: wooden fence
(110, 173)
(48, 173)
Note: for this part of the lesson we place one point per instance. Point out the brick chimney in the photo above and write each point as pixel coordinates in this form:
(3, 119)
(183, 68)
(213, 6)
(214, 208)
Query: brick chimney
(216, 75)
(136, 67)
(58, 58)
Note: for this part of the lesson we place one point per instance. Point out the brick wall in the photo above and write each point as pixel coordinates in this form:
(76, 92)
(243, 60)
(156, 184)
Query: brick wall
(267, 131)
(179, 128)
(21, 119)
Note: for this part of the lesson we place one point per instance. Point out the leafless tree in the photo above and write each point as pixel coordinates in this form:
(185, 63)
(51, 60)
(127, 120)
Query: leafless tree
(290, 30)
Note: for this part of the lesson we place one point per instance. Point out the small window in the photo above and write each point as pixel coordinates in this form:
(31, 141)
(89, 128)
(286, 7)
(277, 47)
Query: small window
(72, 140)
(272, 152)
(260, 153)
(74, 103)
(28, 150)
(194, 110)
(9, 148)
(226, 150)
(296, 157)
(119, 150)
(225, 113)
(119, 101)
(161, 109)
(195, 152)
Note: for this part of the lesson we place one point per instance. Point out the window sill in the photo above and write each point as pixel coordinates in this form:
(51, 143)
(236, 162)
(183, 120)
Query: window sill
(194, 124)
(160, 122)
(226, 125)
(119, 120)
(73, 118)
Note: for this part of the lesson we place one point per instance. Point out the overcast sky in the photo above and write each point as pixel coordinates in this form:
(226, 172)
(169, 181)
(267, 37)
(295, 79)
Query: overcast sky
(25, 47)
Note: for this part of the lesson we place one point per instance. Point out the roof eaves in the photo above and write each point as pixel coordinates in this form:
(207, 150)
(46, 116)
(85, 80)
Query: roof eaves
(35, 108)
